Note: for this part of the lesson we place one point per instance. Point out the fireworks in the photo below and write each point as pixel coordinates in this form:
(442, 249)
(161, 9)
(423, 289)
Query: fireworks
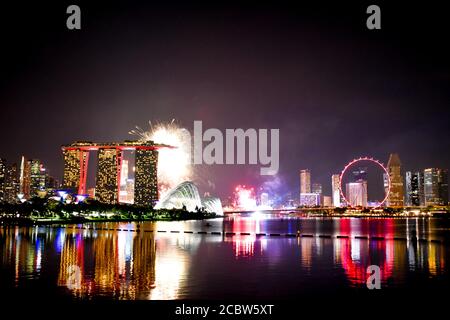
(174, 165)
(244, 198)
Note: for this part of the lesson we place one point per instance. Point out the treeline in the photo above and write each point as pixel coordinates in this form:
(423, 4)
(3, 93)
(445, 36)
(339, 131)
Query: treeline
(41, 209)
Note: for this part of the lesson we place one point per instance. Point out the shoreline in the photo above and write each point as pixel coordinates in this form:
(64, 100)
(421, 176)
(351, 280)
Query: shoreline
(56, 221)
(35, 222)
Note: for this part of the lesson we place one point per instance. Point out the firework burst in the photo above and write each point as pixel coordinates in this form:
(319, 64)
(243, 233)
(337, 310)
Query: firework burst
(174, 165)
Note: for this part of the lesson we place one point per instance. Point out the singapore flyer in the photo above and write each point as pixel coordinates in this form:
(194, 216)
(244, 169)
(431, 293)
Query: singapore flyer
(349, 200)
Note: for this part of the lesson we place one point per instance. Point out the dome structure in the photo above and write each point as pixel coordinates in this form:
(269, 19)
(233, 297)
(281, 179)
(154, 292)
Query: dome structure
(213, 204)
(186, 195)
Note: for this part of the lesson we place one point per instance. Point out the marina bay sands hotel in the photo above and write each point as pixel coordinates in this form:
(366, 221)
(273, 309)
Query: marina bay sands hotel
(110, 155)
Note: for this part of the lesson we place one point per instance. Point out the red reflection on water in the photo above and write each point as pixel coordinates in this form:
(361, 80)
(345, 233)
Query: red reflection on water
(357, 254)
(244, 245)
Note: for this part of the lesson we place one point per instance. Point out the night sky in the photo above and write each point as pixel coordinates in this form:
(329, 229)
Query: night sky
(335, 89)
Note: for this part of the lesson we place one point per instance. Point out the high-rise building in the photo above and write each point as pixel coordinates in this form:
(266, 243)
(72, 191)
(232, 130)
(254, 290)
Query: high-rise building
(421, 183)
(112, 183)
(25, 178)
(108, 175)
(327, 201)
(309, 199)
(75, 170)
(145, 177)
(443, 186)
(36, 182)
(305, 181)
(33, 179)
(395, 198)
(408, 188)
(435, 186)
(413, 188)
(316, 188)
(335, 189)
(11, 186)
(356, 193)
(2, 179)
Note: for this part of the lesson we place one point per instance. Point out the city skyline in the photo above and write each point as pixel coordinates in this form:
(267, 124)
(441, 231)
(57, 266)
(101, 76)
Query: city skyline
(334, 89)
(114, 184)
(224, 159)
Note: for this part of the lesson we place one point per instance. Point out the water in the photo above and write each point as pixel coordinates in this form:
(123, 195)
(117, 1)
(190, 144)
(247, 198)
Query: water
(73, 263)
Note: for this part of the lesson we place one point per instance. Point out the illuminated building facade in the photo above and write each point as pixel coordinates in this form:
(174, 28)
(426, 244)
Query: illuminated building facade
(145, 177)
(25, 178)
(336, 194)
(356, 193)
(443, 186)
(316, 188)
(109, 179)
(309, 199)
(34, 180)
(327, 201)
(37, 179)
(305, 181)
(75, 170)
(11, 184)
(108, 173)
(395, 198)
(436, 186)
(2, 179)
(124, 174)
(413, 188)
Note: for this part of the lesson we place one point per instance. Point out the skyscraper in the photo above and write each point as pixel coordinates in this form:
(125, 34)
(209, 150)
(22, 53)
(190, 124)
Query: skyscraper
(336, 194)
(316, 188)
(309, 199)
(25, 178)
(436, 186)
(421, 188)
(413, 188)
(145, 177)
(37, 181)
(75, 170)
(108, 175)
(2, 179)
(443, 186)
(112, 170)
(356, 193)
(305, 181)
(327, 201)
(395, 198)
(11, 186)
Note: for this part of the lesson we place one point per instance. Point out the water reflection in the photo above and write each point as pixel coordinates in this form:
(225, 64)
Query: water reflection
(152, 265)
